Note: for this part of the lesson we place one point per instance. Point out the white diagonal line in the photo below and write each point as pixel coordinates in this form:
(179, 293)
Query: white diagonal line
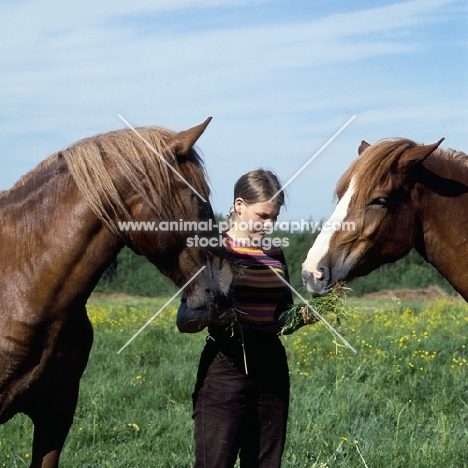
(360, 454)
(314, 311)
(161, 309)
(312, 158)
(150, 146)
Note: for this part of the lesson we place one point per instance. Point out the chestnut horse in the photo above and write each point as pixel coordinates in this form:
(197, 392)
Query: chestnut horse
(395, 196)
(59, 232)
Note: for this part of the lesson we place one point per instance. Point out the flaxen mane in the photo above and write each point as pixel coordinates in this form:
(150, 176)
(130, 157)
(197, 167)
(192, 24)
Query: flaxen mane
(99, 165)
(458, 156)
(371, 167)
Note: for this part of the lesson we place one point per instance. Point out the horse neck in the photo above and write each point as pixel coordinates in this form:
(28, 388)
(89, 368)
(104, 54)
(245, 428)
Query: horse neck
(55, 248)
(441, 195)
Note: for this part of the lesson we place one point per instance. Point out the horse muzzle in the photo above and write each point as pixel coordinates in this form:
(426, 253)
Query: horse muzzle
(317, 283)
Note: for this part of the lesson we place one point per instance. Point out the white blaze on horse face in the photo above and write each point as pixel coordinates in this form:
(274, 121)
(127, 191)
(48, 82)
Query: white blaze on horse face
(322, 243)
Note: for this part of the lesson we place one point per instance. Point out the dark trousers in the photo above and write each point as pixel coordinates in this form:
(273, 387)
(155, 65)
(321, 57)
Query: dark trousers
(237, 414)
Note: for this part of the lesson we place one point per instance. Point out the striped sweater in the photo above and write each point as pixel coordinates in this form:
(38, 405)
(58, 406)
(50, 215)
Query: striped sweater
(259, 294)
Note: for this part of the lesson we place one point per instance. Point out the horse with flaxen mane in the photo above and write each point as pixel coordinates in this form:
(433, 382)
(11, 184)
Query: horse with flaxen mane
(59, 231)
(394, 197)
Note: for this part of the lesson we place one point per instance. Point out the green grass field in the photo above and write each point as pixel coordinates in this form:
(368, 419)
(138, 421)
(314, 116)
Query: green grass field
(401, 401)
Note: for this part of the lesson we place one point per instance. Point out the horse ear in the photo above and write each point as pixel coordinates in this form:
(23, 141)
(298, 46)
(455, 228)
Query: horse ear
(362, 147)
(416, 155)
(181, 142)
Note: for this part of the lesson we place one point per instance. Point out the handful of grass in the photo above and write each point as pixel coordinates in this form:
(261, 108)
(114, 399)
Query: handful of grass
(332, 307)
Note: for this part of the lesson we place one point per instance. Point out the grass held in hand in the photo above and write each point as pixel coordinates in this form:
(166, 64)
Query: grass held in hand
(332, 307)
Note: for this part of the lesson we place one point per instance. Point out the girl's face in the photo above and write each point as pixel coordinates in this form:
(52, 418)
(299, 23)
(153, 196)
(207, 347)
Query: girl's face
(254, 220)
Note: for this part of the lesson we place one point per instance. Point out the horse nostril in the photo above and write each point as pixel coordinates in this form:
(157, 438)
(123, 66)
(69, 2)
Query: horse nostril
(323, 274)
(220, 300)
(318, 274)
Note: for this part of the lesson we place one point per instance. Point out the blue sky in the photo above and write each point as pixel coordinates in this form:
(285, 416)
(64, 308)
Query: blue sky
(279, 77)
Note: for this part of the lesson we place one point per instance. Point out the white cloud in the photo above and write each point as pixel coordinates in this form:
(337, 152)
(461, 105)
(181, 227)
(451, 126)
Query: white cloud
(277, 90)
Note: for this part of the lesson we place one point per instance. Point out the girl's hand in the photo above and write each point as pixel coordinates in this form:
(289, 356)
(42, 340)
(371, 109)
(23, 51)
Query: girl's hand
(307, 319)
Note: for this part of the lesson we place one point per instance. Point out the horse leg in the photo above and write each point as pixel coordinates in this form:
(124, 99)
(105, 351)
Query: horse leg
(53, 411)
(51, 428)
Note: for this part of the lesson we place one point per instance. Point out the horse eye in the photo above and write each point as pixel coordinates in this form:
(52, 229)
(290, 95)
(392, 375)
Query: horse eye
(379, 201)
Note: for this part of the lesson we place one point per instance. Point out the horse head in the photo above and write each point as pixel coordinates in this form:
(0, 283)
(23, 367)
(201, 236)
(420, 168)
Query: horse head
(375, 220)
(148, 187)
(189, 215)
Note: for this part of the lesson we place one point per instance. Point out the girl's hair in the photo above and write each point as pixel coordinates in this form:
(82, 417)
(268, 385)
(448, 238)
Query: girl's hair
(259, 186)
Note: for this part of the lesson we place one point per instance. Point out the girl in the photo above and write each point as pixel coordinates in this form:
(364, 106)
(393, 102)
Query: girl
(241, 395)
